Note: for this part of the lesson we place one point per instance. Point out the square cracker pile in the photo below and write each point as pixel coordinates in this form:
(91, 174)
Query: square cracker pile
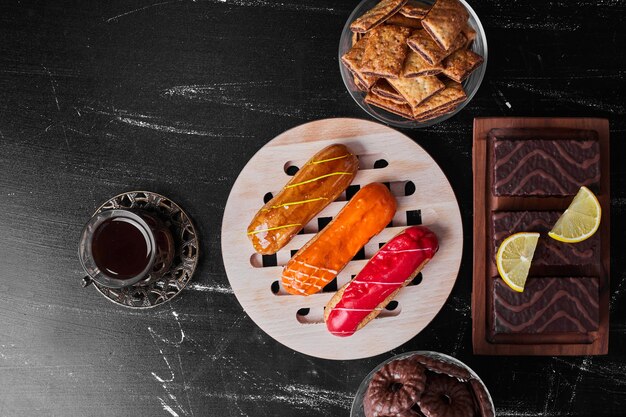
(385, 51)
(411, 59)
(444, 22)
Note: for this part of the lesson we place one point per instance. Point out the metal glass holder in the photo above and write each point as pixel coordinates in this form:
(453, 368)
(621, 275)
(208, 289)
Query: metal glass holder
(186, 246)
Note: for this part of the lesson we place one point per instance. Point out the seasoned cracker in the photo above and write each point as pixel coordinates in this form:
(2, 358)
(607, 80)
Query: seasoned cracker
(407, 22)
(383, 89)
(460, 64)
(452, 95)
(415, 66)
(421, 42)
(434, 114)
(469, 33)
(444, 22)
(352, 60)
(415, 9)
(403, 110)
(376, 15)
(385, 51)
(365, 82)
(359, 84)
(418, 89)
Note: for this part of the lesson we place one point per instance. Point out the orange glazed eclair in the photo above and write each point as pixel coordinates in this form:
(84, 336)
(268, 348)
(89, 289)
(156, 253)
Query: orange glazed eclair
(319, 182)
(323, 257)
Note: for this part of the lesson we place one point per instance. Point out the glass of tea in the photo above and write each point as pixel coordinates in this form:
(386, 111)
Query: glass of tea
(120, 247)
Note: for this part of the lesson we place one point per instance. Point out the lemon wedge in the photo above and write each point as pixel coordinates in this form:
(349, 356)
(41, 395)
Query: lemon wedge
(514, 257)
(581, 219)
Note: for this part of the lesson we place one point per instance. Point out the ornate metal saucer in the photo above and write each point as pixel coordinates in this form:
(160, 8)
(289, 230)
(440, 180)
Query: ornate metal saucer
(185, 258)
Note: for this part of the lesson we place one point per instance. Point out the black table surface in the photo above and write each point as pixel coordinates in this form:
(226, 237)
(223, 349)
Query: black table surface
(175, 97)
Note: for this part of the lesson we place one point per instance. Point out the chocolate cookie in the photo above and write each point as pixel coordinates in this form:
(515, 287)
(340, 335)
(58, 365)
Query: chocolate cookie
(446, 397)
(411, 412)
(440, 367)
(482, 398)
(395, 388)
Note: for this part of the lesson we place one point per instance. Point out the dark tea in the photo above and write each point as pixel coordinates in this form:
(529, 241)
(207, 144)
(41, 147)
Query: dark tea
(121, 248)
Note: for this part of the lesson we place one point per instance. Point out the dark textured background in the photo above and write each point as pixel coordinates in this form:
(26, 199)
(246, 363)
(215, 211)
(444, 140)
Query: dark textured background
(175, 97)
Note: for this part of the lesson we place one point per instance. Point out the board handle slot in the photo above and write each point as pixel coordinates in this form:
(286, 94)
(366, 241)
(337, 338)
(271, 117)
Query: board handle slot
(398, 189)
(413, 217)
(280, 258)
(366, 161)
(417, 280)
(322, 222)
(277, 287)
(308, 315)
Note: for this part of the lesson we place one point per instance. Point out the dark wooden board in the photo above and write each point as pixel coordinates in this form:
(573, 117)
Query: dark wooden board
(97, 98)
(485, 203)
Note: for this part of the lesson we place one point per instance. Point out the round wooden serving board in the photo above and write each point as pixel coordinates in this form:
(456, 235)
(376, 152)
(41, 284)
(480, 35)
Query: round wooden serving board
(297, 321)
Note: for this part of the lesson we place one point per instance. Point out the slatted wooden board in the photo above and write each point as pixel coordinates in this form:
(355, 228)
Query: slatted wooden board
(593, 343)
(424, 196)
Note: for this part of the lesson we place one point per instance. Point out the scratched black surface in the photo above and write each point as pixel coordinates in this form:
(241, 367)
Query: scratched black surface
(175, 97)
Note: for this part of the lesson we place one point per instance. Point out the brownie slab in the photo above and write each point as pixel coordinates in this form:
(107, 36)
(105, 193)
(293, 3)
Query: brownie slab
(549, 252)
(538, 167)
(547, 305)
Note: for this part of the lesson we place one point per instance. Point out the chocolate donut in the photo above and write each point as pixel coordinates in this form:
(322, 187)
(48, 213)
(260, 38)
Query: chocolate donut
(482, 398)
(441, 367)
(411, 412)
(446, 397)
(394, 389)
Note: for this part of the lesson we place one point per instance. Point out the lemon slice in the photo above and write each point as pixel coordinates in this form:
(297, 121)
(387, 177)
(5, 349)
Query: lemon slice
(514, 257)
(581, 219)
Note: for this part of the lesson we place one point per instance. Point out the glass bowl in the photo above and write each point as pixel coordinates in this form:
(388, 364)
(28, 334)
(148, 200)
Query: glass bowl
(357, 403)
(470, 85)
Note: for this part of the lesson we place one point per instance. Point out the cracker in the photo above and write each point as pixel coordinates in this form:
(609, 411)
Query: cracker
(352, 60)
(403, 110)
(376, 15)
(416, 66)
(383, 89)
(359, 84)
(452, 95)
(469, 33)
(421, 42)
(444, 22)
(385, 51)
(407, 22)
(365, 82)
(460, 64)
(437, 113)
(415, 9)
(417, 90)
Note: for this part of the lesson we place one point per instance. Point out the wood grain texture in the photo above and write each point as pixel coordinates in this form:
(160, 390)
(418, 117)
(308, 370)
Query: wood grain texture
(594, 343)
(98, 98)
(433, 197)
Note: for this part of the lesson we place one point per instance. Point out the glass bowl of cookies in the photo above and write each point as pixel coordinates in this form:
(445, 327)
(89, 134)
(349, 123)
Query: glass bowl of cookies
(422, 383)
(413, 63)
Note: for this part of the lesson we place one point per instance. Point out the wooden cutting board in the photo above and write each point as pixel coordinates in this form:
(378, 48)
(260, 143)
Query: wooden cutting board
(593, 343)
(424, 196)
